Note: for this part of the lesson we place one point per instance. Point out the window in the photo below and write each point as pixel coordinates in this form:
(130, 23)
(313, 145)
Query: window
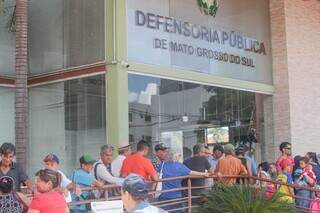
(130, 117)
(7, 35)
(65, 33)
(183, 114)
(68, 119)
(7, 133)
(147, 118)
(131, 138)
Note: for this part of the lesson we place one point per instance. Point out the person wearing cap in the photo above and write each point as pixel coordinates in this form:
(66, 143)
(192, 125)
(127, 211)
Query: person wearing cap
(10, 168)
(246, 162)
(138, 163)
(134, 194)
(229, 165)
(84, 178)
(102, 168)
(161, 152)
(286, 153)
(124, 150)
(51, 161)
(10, 200)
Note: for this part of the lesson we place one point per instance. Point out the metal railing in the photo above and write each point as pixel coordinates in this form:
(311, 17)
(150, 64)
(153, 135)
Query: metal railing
(186, 201)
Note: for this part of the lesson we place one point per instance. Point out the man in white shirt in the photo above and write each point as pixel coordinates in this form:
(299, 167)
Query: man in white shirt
(102, 168)
(124, 150)
(51, 161)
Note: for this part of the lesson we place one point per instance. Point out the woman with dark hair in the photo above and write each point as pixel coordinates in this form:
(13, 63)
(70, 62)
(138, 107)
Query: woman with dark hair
(48, 200)
(263, 172)
(315, 165)
(296, 166)
(10, 200)
(304, 176)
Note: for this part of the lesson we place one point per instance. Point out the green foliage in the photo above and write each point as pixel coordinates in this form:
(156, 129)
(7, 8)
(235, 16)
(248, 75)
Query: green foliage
(242, 199)
(209, 9)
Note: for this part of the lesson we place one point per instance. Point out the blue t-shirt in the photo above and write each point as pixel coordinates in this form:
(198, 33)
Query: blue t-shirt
(254, 169)
(289, 178)
(172, 169)
(83, 179)
(213, 162)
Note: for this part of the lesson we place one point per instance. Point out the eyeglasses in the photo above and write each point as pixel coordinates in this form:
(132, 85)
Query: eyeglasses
(288, 148)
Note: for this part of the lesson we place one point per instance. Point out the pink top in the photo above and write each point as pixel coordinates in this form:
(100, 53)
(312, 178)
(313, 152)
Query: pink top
(315, 205)
(50, 202)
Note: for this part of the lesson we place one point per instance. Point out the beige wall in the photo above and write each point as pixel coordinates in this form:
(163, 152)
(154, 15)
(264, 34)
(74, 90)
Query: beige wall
(295, 27)
(303, 46)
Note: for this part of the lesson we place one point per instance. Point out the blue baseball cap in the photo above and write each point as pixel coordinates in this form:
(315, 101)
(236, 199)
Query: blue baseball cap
(51, 157)
(136, 186)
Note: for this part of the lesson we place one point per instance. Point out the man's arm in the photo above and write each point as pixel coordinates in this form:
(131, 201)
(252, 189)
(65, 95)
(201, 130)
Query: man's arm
(97, 184)
(24, 198)
(103, 173)
(278, 166)
(243, 170)
(208, 167)
(74, 188)
(217, 169)
(155, 177)
(24, 178)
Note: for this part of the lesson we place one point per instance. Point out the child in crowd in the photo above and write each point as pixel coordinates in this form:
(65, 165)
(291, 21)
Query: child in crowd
(273, 171)
(286, 178)
(305, 177)
(263, 172)
(315, 203)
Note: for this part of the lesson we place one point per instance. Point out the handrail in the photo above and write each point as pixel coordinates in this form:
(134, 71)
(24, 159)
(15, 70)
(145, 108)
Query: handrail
(189, 198)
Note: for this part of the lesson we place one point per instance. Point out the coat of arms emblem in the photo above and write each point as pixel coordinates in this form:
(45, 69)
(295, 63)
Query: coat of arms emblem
(209, 7)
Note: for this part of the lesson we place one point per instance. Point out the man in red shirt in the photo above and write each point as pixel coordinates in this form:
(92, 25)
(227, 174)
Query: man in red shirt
(285, 148)
(139, 164)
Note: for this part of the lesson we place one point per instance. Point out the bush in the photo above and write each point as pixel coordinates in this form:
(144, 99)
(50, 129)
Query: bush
(242, 199)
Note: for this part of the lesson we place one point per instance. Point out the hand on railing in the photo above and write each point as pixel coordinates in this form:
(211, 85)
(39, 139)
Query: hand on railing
(77, 190)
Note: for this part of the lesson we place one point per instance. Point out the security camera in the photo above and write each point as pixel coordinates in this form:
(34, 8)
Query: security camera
(125, 64)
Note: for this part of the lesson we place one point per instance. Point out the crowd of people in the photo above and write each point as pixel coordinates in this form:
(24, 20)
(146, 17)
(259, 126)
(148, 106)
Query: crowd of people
(135, 171)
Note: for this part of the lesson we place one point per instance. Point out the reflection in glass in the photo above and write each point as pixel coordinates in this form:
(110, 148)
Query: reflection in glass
(65, 33)
(67, 119)
(7, 115)
(163, 109)
(7, 37)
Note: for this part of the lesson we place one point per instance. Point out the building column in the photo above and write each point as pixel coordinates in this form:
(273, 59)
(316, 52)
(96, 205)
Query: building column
(117, 72)
(21, 71)
(295, 37)
(280, 102)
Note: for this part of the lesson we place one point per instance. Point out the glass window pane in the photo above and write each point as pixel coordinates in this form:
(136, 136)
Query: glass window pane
(7, 115)
(7, 37)
(65, 33)
(183, 114)
(68, 119)
(45, 35)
